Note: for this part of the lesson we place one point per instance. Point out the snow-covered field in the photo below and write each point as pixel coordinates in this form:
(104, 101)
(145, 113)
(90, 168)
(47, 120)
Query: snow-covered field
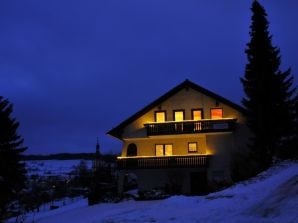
(52, 167)
(270, 197)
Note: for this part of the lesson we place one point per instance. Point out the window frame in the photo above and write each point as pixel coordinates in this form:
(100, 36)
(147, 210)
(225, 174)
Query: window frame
(164, 149)
(197, 109)
(160, 111)
(131, 150)
(222, 113)
(197, 149)
(178, 110)
(171, 149)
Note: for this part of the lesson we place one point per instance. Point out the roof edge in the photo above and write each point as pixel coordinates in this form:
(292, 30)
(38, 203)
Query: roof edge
(117, 131)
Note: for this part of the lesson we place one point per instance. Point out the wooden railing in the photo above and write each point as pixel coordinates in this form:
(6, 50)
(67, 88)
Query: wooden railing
(163, 162)
(186, 127)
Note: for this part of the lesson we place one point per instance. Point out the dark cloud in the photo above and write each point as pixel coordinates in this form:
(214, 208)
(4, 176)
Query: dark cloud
(75, 69)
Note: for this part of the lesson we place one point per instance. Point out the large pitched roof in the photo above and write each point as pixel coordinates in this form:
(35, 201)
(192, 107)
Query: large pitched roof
(117, 131)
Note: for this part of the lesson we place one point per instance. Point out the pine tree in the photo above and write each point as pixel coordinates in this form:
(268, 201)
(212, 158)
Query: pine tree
(12, 171)
(269, 93)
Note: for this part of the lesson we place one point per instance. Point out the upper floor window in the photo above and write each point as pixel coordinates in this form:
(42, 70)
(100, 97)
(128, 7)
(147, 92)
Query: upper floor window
(197, 114)
(216, 113)
(160, 116)
(164, 149)
(179, 115)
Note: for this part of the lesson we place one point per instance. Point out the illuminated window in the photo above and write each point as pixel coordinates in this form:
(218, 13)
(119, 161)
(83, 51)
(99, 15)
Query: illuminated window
(178, 116)
(164, 150)
(159, 150)
(197, 114)
(160, 116)
(168, 149)
(192, 147)
(216, 113)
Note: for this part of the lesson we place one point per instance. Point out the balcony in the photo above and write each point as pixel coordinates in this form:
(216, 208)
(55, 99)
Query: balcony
(163, 162)
(187, 127)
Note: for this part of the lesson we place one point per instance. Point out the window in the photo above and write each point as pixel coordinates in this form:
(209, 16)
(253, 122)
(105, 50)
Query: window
(132, 150)
(160, 116)
(159, 150)
(168, 149)
(179, 116)
(164, 150)
(216, 113)
(192, 147)
(197, 114)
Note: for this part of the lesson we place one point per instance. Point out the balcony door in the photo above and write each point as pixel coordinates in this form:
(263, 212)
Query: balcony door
(179, 115)
(197, 114)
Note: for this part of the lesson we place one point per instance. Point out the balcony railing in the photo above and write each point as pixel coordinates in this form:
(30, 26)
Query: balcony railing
(186, 127)
(163, 162)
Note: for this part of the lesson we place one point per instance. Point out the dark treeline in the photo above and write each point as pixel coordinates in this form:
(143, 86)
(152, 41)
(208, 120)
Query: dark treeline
(69, 156)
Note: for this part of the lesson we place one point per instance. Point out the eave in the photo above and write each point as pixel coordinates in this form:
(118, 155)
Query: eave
(117, 131)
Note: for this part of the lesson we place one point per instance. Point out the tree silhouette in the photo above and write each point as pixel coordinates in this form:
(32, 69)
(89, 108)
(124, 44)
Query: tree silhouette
(12, 171)
(269, 93)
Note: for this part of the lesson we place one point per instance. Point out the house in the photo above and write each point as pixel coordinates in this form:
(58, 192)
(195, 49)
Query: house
(182, 142)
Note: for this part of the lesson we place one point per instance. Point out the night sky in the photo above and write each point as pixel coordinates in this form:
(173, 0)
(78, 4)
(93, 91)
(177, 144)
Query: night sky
(75, 69)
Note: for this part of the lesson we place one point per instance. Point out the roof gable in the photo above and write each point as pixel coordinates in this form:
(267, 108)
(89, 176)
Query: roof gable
(117, 131)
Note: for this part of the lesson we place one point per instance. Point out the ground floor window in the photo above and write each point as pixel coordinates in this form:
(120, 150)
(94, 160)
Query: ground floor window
(192, 147)
(163, 149)
(132, 150)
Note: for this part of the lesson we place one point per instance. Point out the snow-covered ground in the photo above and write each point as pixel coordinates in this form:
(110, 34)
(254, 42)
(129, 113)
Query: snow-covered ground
(52, 167)
(270, 197)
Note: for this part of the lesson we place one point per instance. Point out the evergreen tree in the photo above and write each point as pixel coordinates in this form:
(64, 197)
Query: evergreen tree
(12, 171)
(269, 93)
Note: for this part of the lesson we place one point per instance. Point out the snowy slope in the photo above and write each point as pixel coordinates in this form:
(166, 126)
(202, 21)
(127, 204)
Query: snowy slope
(270, 197)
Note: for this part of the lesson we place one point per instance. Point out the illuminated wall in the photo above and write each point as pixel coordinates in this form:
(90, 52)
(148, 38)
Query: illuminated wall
(218, 144)
(186, 99)
(146, 146)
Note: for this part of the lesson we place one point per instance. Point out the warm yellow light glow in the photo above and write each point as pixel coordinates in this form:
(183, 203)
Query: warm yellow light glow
(205, 119)
(179, 116)
(169, 150)
(209, 151)
(192, 147)
(164, 149)
(197, 115)
(216, 113)
(183, 155)
(160, 116)
(159, 150)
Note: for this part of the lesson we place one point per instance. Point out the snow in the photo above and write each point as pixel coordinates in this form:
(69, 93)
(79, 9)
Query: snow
(79, 202)
(270, 197)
